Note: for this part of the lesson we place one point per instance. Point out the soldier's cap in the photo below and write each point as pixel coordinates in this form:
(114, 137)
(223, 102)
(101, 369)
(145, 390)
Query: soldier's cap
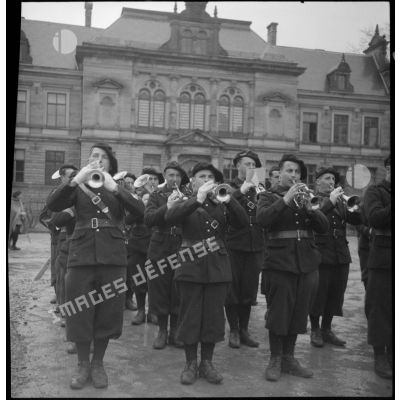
(113, 161)
(293, 158)
(327, 170)
(152, 171)
(177, 167)
(57, 174)
(120, 175)
(219, 177)
(387, 161)
(247, 153)
(130, 175)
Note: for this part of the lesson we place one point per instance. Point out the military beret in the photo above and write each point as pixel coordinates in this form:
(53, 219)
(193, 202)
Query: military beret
(219, 177)
(152, 171)
(328, 170)
(174, 165)
(247, 153)
(293, 158)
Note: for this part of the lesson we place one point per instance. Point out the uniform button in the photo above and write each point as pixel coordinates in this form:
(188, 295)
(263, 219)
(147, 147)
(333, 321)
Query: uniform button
(206, 205)
(296, 214)
(207, 222)
(251, 224)
(98, 194)
(208, 230)
(98, 212)
(97, 230)
(297, 222)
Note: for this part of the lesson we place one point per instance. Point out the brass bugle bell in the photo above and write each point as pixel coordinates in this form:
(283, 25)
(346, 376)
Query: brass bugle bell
(352, 202)
(222, 192)
(96, 179)
(180, 194)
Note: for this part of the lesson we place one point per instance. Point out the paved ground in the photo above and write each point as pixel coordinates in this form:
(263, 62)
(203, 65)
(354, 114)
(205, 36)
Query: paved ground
(40, 366)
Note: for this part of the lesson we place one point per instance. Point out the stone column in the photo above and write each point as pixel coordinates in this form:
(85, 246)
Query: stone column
(213, 106)
(173, 125)
(249, 128)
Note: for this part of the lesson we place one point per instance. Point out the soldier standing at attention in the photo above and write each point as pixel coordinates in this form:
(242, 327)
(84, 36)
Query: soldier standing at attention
(245, 248)
(165, 240)
(97, 259)
(203, 282)
(334, 267)
(292, 265)
(378, 300)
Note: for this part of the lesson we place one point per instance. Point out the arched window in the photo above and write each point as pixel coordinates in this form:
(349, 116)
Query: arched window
(158, 109)
(184, 111)
(187, 41)
(199, 111)
(144, 108)
(223, 114)
(107, 111)
(237, 114)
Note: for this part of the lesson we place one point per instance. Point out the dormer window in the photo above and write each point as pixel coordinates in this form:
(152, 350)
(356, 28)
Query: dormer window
(338, 79)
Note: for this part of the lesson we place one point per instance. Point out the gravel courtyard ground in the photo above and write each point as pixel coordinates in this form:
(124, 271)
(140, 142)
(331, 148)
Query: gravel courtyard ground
(40, 366)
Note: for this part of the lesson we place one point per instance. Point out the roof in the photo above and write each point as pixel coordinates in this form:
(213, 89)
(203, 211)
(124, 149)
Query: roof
(43, 42)
(364, 76)
(149, 30)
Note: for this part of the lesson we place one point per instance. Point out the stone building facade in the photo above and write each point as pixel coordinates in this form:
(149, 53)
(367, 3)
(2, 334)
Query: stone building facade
(191, 87)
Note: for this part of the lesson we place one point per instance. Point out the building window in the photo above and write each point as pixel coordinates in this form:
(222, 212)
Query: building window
(19, 165)
(53, 161)
(144, 108)
(152, 161)
(21, 106)
(223, 114)
(371, 131)
(310, 127)
(237, 114)
(340, 129)
(107, 110)
(342, 170)
(57, 110)
(230, 171)
(199, 111)
(158, 109)
(184, 111)
(311, 175)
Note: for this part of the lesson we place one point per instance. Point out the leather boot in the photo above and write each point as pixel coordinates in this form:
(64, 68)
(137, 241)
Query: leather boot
(81, 376)
(130, 305)
(207, 371)
(98, 374)
(247, 340)
(189, 374)
(291, 366)
(140, 317)
(273, 371)
(71, 348)
(329, 337)
(53, 300)
(316, 338)
(161, 340)
(234, 340)
(382, 367)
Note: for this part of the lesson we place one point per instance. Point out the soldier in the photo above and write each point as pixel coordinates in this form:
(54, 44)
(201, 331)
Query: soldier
(245, 248)
(334, 267)
(139, 240)
(165, 240)
(274, 177)
(96, 261)
(292, 265)
(364, 238)
(45, 218)
(203, 283)
(378, 302)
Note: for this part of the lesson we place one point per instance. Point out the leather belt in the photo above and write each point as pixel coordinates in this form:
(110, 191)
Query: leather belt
(190, 243)
(173, 230)
(95, 223)
(335, 233)
(295, 234)
(382, 232)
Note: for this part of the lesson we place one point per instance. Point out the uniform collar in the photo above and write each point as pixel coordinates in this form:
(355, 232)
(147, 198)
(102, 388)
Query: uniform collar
(280, 190)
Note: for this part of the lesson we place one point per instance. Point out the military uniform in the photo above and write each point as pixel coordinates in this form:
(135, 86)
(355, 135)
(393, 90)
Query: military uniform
(97, 257)
(364, 237)
(379, 301)
(245, 248)
(292, 261)
(203, 283)
(334, 249)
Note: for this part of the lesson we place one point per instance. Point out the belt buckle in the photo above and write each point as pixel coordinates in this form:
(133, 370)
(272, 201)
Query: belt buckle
(94, 223)
(250, 204)
(96, 200)
(298, 235)
(214, 224)
(334, 234)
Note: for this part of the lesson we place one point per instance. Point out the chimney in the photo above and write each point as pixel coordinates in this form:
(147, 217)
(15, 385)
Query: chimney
(88, 13)
(272, 33)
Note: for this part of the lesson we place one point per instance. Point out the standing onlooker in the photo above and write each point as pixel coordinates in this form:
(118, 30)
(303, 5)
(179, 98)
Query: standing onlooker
(17, 219)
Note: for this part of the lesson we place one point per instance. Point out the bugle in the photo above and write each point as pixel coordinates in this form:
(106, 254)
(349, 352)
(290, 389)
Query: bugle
(352, 202)
(96, 179)
(222, 192)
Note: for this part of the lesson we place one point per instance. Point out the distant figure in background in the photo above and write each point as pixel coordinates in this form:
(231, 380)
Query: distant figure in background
(364, 238)
(274, 176)
(17, 219)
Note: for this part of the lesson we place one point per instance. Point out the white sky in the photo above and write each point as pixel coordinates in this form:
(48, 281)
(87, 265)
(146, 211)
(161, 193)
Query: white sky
(331, 26)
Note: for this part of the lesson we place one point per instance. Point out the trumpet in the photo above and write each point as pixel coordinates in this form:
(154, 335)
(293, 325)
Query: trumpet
(305, 198)
(222, 192)
(96, 179)
(352, 203)
(181, 195)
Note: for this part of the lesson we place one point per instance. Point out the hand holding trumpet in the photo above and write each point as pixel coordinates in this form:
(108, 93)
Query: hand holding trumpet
(204, 189)
(335, 195)
(85, 173)
(293, 192)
